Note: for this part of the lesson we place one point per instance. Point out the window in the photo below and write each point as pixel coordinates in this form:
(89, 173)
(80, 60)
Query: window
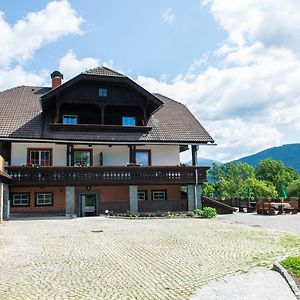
(70, 119)
(83, 157)
(20, 199)
(42, 199)
(128, 121)
(159, 195)
(39, 157)
(142, 195)
(102, 92)
(143, 157)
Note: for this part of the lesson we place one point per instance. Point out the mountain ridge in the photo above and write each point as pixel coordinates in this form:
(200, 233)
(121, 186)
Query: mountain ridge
(289, 154)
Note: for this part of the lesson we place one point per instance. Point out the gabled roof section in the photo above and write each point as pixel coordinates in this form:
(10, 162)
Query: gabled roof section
(21, 118)
(103, 71)
(95, 74)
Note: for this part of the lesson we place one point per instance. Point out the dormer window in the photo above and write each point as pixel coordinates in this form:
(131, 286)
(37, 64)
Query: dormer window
(70, 119)
(102, 92)
(128, 121)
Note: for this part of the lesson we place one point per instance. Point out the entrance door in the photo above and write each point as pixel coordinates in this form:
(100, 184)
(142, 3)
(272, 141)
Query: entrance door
(88, 205)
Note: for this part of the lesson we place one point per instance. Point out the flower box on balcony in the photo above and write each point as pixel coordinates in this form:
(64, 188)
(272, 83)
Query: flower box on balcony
(133, 165)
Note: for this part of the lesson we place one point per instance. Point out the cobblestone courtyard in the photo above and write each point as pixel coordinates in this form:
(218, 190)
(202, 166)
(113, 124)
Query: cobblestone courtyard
(99, 258)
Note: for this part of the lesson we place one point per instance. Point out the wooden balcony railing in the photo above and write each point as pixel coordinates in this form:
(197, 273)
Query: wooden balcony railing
(74, 176)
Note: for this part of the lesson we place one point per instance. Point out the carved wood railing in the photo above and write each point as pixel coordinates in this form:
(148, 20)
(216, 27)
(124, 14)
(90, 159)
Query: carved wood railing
(74, 176)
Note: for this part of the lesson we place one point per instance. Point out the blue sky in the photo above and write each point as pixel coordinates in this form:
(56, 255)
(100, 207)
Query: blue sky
(131, 33)
(234, 64)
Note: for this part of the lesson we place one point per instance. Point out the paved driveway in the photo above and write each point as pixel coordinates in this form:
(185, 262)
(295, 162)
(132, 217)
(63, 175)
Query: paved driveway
(129, 259)
(286, 223)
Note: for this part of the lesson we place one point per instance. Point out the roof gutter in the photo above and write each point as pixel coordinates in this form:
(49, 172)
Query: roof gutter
(108, 142)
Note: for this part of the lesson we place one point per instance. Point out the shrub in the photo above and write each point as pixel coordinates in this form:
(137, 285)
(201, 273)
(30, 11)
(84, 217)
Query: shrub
(292, 264)
(209, 212)
(197, 212)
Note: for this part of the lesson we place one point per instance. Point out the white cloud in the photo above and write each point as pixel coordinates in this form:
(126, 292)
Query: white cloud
(249, 98)
(272, 22)
(18, 76)
(70, 65)
(20, 41)
(168, 16)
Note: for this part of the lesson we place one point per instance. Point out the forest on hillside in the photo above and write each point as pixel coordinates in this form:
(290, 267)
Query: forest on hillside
(269, 179)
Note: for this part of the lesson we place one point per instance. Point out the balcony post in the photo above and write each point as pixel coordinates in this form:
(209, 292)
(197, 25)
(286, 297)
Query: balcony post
(70, 149)
(132, 149)
(133, 199)
(70, 201)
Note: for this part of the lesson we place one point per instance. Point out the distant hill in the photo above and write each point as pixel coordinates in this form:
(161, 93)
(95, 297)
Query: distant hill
(206, 162)
(289, 154)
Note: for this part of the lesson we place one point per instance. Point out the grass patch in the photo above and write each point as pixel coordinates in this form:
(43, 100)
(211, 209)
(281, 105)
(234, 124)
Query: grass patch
(292, 263)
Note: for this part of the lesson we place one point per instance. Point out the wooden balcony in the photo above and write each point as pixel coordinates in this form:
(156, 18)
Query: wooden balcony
(75, 176)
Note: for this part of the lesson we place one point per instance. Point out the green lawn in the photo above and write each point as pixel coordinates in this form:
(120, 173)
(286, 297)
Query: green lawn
(292, 263)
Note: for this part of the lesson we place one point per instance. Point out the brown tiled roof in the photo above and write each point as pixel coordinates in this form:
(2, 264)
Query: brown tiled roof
(103, 71)
(21, 117)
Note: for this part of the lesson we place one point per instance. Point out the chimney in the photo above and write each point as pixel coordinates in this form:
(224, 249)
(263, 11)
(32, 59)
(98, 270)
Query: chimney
(56, 77)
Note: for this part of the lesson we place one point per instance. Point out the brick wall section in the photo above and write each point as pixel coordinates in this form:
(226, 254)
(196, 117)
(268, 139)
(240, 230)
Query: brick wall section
(108, 193)
(173, 191)
(173, 202)
(114, 198)
(58, 200)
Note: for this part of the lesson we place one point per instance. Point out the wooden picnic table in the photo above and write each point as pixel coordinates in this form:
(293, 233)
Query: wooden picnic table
(281, 206)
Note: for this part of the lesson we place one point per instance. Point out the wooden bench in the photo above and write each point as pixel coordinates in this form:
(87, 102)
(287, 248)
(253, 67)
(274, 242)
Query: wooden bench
(265, 208)
(294, 207)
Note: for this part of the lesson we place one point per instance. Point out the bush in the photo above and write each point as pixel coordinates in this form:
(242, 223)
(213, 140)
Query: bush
(292, 264)
(197, 212)
(209, 212)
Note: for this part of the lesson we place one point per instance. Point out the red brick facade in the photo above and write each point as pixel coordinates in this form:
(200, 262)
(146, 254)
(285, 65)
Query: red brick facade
(114, 198)
(58, 206)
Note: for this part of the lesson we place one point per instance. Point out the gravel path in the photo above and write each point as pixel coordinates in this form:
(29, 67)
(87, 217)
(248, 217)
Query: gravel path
(126, 259)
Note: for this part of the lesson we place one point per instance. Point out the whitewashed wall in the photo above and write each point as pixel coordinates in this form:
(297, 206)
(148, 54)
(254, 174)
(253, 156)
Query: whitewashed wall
(161, 155)
(19, 153)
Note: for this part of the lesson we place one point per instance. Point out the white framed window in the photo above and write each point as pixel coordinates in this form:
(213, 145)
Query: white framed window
(128, 121)
(39, 157)
(159, 195)
(102, 92)
(44, 199)
(20, 199)
(142, 195)
(70, 119)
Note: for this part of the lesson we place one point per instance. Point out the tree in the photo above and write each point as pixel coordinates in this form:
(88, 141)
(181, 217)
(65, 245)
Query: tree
(275, 172)
(228, 179)
(293, 188)
(260, 188)
(231, 171)
(208, 190)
